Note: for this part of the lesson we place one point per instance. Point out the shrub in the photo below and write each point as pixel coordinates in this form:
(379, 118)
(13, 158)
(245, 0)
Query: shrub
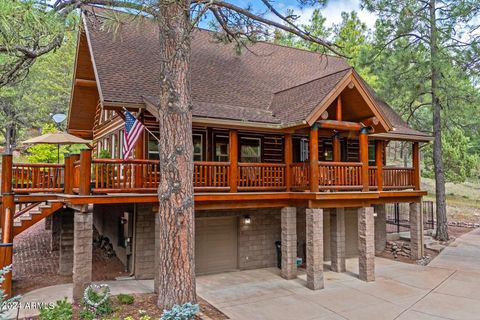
(185, 311)
(125, 298)
(6, 303)
(103, 309)
(87, 315)
(61, 310)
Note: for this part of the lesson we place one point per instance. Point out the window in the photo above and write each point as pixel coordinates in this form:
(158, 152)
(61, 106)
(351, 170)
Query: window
(221, 148)
(371, 154)
(197, 147)
(153, 153)
(304, 150)
(250, 149)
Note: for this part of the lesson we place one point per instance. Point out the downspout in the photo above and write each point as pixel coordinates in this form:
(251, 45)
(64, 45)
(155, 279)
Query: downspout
(134, 237)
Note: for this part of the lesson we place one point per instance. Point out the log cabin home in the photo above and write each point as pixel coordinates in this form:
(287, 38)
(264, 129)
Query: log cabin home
(289, 148)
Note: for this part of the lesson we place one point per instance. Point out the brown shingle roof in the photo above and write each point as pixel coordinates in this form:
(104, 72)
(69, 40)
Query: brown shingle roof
(268, 83)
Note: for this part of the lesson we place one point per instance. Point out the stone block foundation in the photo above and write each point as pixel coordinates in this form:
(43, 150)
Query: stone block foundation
(366, 244)
(416, 231)
(289, 242)
(380, 228)
(82, 249)
(337, 242)
(63, 221)
(314, 226)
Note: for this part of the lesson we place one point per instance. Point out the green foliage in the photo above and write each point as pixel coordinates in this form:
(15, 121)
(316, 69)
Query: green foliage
(61, 310)
(3, 298)
(28, 28)
(459, 164)
(45, 90)
(125, 298)
(185, 311)
(103, 309)
(87, 315)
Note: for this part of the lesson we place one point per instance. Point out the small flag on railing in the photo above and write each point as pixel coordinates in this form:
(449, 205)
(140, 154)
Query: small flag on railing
(133, 129)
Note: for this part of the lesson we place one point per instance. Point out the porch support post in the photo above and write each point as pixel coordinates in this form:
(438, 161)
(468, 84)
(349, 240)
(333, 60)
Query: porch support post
(416, 165)
(337, 239)
(68, 174)
(336, 148)
(379, 163)
(139, 154)
(416, 231)
(82, 250)
(313, 145)
(366, 244)
(380, 228)
(288, 161)
(314, 225)
(363, 141)
(233, 157)
(6, 220)
(289, 242)
(339, 108)
(65, 265)
(85, 171)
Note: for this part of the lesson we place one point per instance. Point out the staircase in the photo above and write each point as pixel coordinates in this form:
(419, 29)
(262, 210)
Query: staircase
(32, 214)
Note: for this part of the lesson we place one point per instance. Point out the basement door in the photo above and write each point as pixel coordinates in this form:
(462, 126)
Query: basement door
(215, 245)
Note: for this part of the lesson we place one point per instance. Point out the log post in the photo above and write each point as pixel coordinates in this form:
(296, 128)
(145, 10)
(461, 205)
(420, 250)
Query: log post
(336, 148)
(363, 141)
(8, 211)
(288, 161)
(68, 175)
(416, 165)
(313, 145)
(85, 171)
(339, 108)
(379, 163)
(139, 154)
(233, 156)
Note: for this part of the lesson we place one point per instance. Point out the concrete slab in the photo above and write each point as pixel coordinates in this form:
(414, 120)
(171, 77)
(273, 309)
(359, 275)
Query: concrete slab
(446, 289)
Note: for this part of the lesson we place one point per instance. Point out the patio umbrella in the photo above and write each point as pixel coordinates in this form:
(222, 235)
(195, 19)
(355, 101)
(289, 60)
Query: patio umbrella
(58, 138)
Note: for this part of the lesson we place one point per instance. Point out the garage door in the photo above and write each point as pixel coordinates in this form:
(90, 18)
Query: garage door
(215, 244)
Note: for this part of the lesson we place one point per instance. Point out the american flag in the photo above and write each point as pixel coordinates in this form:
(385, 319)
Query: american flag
(133, 129)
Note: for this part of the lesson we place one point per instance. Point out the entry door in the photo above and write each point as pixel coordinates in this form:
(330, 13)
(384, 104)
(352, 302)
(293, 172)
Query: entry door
(215, 245)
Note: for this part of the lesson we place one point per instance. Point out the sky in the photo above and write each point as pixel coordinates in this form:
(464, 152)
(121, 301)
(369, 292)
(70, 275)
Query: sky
(332, 12)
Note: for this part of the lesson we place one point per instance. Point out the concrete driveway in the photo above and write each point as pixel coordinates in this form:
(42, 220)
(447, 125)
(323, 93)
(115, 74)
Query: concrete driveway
(446, 289)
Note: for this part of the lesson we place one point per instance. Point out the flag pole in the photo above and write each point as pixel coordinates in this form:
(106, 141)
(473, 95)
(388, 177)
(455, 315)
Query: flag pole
(158, 140)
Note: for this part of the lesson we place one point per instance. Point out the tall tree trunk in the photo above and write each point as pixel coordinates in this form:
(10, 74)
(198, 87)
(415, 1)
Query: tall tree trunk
(442, 229)
(175, 272)
(10, 139)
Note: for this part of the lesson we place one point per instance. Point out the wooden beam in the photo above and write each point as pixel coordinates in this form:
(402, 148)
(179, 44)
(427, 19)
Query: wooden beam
(313, 146)
(363, 141)
(233, 158)
(339, 108)
(339, 125)
(379, 163)
(288, 161)
(369, 122)
(416, 164)
(85, 83)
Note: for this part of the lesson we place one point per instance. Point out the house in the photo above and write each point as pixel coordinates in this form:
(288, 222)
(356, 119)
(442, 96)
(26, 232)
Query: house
(289, 146)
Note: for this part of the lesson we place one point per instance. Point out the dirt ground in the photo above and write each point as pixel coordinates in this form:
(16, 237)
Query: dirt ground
(35, 266)
(147, 303)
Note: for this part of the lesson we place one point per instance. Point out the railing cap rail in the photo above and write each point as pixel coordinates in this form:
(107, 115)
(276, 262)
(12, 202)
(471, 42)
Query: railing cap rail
(39, 165)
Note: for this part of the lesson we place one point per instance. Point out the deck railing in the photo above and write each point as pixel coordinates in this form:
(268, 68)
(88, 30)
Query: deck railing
(138, 175)
(211, 176)
(37, 177)
(340, 175)
(261, 176)
(300, 176)
(398, 178)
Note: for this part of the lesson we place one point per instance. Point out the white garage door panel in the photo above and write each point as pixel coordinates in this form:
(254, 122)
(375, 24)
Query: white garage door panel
(215, 244)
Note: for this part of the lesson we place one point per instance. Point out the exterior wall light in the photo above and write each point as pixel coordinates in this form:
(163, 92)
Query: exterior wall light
(247, 220)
